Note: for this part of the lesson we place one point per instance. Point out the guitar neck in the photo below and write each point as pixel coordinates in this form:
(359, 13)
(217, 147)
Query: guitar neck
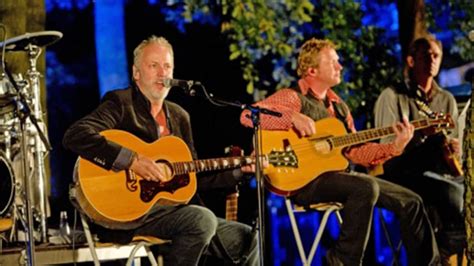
(373, 134)
(205, 165)
(231, 206)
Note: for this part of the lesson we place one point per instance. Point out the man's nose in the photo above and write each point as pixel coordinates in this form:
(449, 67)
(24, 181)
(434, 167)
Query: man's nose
(160, 70)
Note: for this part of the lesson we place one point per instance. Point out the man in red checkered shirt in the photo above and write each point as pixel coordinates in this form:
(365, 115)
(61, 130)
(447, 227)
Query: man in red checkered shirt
(313, 99)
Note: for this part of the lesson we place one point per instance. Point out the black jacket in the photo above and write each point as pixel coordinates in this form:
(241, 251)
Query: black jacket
(129, 110)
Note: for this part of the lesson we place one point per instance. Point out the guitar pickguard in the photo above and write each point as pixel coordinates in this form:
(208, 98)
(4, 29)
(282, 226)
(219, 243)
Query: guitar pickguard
(150, 188)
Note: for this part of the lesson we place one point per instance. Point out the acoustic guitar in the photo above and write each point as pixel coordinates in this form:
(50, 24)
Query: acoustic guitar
(322, 152)
(120, 200)
(449, 156)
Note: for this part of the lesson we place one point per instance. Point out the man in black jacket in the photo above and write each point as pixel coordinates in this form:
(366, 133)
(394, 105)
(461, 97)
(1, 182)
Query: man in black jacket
(143, 111)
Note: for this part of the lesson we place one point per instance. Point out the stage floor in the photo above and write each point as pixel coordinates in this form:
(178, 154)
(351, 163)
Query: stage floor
(50, 254)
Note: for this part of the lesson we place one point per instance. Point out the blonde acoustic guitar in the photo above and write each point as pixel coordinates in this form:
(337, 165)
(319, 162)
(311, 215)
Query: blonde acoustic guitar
(121, 199)
(322, 152)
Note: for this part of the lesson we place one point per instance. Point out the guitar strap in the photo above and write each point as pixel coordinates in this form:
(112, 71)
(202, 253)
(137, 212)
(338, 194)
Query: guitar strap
(403, 108)
(401, 90)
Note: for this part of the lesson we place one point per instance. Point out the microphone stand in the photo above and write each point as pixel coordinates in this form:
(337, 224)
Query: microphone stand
(25, 113)
(255, 117)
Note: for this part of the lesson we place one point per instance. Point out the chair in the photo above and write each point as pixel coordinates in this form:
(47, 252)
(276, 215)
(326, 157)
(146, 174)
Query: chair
(327, 208)
(138, 244)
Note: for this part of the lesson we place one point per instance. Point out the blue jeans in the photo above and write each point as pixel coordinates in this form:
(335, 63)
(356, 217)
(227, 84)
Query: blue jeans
(195, 230)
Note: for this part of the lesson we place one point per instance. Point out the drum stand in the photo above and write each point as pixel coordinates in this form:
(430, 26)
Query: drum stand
(41, 144)
(39, 139)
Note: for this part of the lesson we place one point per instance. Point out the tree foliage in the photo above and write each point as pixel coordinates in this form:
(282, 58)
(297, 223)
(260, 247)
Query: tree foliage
(265, 35)
(458, 26)
(261, 34)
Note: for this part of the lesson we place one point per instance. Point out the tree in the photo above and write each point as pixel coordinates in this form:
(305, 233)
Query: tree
(412, 22)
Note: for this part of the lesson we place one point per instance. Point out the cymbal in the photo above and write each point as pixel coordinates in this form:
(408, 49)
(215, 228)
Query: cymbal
(40, 38)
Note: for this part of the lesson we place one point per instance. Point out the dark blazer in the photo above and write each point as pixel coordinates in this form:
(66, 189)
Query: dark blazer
(129, 110)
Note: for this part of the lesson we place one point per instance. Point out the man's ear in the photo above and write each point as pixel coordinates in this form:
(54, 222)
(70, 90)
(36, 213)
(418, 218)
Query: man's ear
(312, 71)
(136, 74)
(410, 61)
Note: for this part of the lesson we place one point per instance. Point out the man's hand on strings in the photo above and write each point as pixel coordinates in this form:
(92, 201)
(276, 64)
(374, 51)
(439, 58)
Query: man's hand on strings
(303, 124)
(403, 134)
(455, 146)
(150, 170)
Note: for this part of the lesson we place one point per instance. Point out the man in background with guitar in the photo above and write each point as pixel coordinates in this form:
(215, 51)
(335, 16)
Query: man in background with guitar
(312, 99)
(429, 166)
(142, 111)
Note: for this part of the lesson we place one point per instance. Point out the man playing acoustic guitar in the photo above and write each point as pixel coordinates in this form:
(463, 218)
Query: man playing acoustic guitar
(429, 165)
(312, 99)
(142, 111)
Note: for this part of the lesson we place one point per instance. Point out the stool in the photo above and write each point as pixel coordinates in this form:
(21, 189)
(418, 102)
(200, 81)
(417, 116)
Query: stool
(5, 224)
(138, 242)
(327, 208)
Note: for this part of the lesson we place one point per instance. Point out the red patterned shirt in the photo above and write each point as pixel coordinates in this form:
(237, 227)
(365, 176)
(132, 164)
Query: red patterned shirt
(286, 101)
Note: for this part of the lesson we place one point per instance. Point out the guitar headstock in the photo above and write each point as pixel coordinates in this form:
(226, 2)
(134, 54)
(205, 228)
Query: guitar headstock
(283, 158)
(439, 121)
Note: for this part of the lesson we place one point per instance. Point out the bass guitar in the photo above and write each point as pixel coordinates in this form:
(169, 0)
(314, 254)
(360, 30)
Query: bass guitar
(120, 200)
(322, 152)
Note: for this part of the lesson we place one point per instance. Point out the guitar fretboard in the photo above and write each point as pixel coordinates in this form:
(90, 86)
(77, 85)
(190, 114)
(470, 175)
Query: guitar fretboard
(231, 206)
(373, 134)
(203, 165)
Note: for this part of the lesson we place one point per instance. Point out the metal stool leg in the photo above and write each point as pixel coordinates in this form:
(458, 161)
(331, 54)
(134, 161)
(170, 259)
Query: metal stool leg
(395, 251)
(319, 234)
(150, 255)
(296, 232)
(327, 210)
(90, 241)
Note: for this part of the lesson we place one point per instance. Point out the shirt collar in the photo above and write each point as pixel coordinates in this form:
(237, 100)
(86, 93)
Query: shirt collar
(435, 88)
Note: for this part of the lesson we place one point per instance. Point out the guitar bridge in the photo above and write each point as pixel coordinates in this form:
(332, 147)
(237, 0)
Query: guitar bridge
(131, 180)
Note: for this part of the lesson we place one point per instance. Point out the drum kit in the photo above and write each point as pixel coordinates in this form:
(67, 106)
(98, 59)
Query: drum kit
(23, 142)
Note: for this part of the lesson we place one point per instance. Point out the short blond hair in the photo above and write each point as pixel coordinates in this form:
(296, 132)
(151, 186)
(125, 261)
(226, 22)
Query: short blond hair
(309, 54)
(137, 53)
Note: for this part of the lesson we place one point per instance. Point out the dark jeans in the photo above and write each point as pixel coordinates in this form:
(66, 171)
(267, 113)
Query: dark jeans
(360, 193)
(445, 197)
(195, 230)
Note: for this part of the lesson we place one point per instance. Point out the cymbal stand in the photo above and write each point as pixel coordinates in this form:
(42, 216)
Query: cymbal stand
(24, 113)
(39, 150)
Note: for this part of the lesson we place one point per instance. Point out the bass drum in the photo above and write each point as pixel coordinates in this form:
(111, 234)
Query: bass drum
(7, 185)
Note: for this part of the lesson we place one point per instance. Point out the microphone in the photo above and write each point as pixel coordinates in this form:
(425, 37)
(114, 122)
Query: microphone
(179, 83)
(185, 84)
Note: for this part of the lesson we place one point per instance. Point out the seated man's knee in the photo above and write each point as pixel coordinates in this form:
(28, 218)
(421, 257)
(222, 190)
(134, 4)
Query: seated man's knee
(204, 222)
(370, 191)
(414, 203)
